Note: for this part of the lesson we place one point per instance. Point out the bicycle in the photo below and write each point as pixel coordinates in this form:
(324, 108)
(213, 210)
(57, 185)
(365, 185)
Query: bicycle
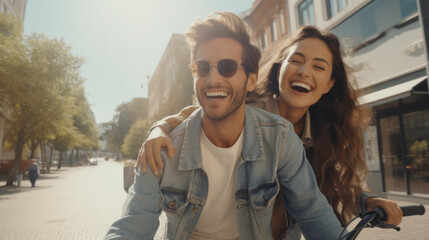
(375, 218)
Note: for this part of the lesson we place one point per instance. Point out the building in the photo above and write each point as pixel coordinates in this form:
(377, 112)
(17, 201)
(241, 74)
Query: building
(385, 40)
(268, 21)
(170, 88)
(15, 8)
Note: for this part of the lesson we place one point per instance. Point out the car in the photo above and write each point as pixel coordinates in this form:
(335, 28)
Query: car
(93, 161)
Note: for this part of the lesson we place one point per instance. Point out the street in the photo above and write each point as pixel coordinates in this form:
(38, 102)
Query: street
(82, 202)
(72, 203)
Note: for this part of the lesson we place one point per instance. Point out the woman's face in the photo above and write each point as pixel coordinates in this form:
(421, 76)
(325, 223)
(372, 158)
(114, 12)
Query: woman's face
(305, 74)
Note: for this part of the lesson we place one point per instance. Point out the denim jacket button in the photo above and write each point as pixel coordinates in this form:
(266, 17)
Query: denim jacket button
(172, 204)
(195, 209)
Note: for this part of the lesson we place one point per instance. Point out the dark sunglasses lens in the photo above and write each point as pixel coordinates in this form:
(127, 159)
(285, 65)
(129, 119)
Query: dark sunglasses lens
(227, 67)
(202, 68)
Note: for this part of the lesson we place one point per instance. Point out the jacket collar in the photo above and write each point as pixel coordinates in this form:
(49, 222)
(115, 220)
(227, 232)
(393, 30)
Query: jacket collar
(190, 152)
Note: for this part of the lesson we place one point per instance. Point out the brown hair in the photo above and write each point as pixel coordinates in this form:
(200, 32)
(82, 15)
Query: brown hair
(337, 122)
(224, 25)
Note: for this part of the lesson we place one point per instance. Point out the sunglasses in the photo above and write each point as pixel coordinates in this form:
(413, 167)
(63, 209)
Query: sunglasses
(225, 67)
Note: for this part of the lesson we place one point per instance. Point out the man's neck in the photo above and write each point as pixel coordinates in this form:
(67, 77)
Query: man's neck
(224, 133)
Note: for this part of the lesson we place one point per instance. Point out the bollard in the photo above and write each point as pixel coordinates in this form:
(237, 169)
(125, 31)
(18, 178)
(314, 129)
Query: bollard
(18, 179)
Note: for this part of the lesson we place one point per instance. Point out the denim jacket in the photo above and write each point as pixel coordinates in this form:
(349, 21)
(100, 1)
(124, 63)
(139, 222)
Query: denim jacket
(272, 157)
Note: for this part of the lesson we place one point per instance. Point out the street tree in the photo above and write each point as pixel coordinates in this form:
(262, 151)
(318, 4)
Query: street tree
(36, 89)
(84, 121)
(125, 116)
(134, 138)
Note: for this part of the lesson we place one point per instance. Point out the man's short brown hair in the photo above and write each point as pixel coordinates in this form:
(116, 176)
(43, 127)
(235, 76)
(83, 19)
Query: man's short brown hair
(224, 25)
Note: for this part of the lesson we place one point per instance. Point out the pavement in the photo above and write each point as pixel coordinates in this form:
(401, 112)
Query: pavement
(70, 203)
(82, 202)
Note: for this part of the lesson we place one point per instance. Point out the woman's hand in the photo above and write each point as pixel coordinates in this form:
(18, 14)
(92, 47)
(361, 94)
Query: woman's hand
(150, 152)
(393, 212)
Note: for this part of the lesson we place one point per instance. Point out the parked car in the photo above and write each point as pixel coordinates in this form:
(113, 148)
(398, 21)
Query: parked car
(93, 161)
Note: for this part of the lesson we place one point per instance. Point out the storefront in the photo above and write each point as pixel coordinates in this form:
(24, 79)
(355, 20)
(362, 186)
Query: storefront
(402, 130)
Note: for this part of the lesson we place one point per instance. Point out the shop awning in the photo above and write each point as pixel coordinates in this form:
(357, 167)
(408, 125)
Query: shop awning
(393, 93)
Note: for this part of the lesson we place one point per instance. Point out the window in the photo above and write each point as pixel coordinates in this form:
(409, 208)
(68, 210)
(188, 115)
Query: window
(282, 25)
(273, 28)
(306, 13)
(372, 20)
(262, 40)
(404, 136)
(335, 6)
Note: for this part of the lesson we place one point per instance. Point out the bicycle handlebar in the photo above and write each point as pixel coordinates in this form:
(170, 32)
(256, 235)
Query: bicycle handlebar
(406, 211)
(376, 217)
(413, 210)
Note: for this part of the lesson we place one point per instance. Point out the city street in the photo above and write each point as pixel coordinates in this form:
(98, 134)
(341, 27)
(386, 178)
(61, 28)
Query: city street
(82, 202)
(72, 203)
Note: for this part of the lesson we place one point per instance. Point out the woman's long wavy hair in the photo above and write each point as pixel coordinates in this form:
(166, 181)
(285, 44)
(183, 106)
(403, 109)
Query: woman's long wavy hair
(337, 124)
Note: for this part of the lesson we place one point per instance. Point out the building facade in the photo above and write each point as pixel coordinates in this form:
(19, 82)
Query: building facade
(385, 41)
(15, 8)
(268, 21)
(170, 87)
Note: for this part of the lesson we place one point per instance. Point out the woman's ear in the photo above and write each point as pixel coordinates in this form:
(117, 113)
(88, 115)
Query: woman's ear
(329, 85)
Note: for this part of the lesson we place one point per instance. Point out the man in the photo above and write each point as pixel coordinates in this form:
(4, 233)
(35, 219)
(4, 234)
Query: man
(233, 158)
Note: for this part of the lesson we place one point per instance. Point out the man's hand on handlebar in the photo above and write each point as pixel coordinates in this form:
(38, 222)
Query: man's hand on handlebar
(151, 148)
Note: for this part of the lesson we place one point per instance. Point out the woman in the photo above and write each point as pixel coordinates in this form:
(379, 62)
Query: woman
(307, 79)
(33, 172)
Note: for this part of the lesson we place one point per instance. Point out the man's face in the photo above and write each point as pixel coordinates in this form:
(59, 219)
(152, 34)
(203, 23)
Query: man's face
(220, 96)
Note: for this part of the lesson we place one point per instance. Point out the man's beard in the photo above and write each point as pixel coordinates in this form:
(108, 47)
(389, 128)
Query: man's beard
(237, 101)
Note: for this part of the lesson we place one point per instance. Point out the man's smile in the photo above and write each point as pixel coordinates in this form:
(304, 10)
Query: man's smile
(216, 95)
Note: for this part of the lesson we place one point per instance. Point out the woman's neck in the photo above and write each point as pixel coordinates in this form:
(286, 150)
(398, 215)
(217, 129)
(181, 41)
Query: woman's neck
(294, 115)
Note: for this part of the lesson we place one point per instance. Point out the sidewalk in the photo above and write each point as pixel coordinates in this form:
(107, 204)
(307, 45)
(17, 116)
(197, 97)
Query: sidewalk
(71, 203)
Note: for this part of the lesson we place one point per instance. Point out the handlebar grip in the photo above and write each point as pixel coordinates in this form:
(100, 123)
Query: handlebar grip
(413, 210)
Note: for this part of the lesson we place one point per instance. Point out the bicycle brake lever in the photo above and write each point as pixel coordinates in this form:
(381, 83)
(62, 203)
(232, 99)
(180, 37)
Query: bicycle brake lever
(384, 225)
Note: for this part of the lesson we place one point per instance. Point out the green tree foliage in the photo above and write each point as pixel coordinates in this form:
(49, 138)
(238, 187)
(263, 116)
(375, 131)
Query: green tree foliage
(41, 88)
(84, 121)
(11, 53)
(126, 114)
(134, 138)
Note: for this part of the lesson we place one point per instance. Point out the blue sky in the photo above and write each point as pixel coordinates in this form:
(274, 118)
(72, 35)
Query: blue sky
(121, 41)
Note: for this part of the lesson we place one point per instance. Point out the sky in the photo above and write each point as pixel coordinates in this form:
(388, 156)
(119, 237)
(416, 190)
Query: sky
(122, 41)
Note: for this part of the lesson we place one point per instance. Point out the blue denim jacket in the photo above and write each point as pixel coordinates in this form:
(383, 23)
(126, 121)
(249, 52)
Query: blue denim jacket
(272, 157)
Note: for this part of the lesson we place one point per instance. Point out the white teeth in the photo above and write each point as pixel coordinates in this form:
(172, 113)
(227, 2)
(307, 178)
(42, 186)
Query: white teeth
(216, 94)
(300, 84)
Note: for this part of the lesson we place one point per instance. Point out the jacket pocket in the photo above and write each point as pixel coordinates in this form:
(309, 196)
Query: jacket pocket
(173, 202)
(262, 201)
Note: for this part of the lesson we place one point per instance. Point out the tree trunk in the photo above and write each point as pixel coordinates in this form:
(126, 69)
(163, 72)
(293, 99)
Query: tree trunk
(33, 147)
(50, 158)
(60, 160)
(43, 155)
(78, 158)
(71, 157)
(18, 155)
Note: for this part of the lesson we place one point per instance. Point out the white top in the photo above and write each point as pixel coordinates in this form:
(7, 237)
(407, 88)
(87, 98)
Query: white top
(218, 218)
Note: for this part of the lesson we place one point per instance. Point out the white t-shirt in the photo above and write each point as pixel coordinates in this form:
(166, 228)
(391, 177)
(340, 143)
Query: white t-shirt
(218, 220)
